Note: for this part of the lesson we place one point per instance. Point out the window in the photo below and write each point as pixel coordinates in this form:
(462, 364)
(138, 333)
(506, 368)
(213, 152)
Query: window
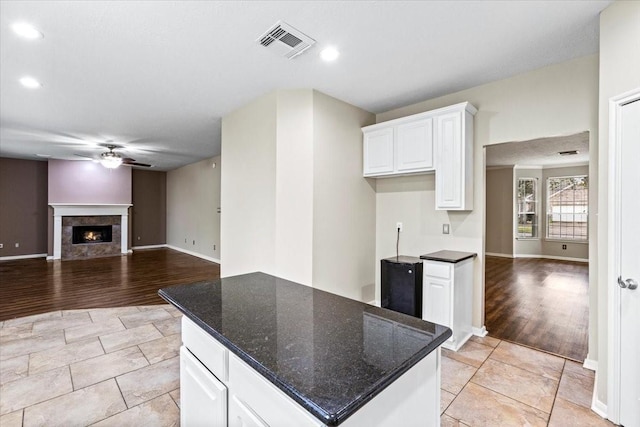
(568, 208)
(527, 208)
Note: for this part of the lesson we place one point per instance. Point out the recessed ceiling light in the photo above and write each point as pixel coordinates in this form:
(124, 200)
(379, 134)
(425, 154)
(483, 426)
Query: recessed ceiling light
(30, 82)
(329, 54)
(27, 31)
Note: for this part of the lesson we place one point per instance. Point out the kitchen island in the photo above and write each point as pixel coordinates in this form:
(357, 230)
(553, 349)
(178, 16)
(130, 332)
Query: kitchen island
(259, 350)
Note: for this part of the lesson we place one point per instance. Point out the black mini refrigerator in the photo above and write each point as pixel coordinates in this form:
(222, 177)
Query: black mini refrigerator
(401, 285)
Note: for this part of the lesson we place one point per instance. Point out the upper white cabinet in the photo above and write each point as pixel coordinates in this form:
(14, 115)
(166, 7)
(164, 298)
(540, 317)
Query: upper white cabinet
(454, 160)
(414, 146)
(439, 140)
(378, 152)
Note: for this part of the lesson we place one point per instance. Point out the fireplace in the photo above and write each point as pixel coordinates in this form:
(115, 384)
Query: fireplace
(91, 234)
(89, 218)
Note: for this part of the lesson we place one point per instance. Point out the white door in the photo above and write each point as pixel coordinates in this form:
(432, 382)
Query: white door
(203, 399)
(630, 265)
(378, 152)
(449, 161)
(414, 146)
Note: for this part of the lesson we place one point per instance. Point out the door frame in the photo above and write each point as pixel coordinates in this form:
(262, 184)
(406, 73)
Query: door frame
(613, 259)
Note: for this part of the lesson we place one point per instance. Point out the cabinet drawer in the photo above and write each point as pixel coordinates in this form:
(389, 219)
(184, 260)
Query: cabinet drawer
(209, 351)
(254, 401)
(441, 270)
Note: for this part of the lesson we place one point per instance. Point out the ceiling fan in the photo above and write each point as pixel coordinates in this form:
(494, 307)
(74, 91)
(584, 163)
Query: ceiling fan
(111, 160)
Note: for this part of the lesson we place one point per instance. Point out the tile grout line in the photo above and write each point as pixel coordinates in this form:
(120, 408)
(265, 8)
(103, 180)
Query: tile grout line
(555, 397)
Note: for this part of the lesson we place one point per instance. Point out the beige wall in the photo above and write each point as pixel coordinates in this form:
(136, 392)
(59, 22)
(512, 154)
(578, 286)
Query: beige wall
(343, 202)
(193, 196)
(500, 214)
(556, 100)
(308, 216)
(248, 188)
(619, 73)
(294, 186)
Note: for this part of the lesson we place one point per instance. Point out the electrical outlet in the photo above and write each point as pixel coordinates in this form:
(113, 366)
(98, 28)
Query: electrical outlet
(1, 245)
(399, 226)
(214, 247)
(17, 245)
(445, 228)
(185, 240)
(194, 242)
(564, 247)
(138, 237)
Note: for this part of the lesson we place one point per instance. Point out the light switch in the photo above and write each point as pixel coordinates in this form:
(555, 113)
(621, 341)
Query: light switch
(445, 228)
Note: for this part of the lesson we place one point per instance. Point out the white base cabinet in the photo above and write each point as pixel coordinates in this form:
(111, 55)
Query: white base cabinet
(253, 401)
(203, 398)
(447, 298)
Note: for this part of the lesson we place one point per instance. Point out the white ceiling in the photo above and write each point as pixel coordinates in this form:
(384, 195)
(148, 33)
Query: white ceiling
(156, 77)
(540, 152)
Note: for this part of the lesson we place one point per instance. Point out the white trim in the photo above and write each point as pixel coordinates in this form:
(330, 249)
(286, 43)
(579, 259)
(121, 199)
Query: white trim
(566, 165)
(590, 364)
(374, 302)
(561, 258)
(196, 254)
(12, 257)
(89, 209)
(164, 245)
(525, 167)
(614, 369)
(596, 404)
(499, 255)
(479, 332)
(49, 257)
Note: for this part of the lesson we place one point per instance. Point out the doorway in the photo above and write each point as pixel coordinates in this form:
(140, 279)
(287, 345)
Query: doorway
(537, 243)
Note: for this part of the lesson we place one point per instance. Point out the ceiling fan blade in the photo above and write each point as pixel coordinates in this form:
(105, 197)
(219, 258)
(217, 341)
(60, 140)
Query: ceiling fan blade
(144, 165)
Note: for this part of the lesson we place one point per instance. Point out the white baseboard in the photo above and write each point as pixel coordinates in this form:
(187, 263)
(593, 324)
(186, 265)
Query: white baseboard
(196, 254)
(560, 258)
(596, 404)
(149, 247)
(590, 364)
(499, 255)
(374, 302)
(9, 258)
(479, 332)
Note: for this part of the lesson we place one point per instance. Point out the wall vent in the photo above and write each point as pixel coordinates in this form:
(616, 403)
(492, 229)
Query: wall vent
(285, 40)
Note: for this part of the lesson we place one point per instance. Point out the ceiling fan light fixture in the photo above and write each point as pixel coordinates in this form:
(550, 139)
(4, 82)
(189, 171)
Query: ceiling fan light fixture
(110, 160)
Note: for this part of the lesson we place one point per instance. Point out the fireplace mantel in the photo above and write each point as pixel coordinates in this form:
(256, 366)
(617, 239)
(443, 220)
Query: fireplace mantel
(73, 209)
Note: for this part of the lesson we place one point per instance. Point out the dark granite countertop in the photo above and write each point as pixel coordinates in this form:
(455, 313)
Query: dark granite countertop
(328, 353)
(448, 256)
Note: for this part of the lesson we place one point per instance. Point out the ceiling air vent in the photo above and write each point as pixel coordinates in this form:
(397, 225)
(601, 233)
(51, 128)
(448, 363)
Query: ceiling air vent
(286, 40)
(568, 153)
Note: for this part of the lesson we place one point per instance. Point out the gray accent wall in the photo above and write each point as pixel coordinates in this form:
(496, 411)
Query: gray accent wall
(149, 212)
(500, 212)
(23, 207)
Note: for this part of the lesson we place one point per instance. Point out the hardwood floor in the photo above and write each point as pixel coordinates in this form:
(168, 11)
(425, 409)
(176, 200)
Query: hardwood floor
(539, 303)
(33, 286)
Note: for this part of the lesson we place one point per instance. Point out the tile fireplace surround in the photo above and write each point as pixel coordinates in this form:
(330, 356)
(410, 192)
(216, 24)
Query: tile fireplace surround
(120, 223)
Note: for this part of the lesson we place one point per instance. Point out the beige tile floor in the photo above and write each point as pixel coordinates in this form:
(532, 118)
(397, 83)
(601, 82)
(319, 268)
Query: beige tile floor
(120, 367)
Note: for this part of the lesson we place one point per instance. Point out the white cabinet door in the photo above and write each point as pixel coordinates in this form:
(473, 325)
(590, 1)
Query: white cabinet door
(436, 301)
(378, 152)
(449, 155)
(203, 399)
(414, 146)
(241, 415)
